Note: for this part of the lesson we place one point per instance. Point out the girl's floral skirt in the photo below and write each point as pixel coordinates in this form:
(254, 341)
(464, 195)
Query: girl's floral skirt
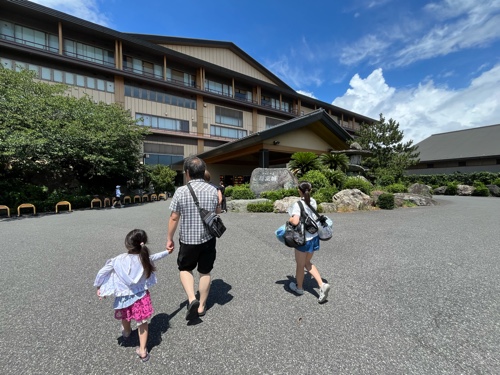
(140, 311)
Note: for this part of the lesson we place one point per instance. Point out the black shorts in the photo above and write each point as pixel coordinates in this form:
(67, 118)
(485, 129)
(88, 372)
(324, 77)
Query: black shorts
(202, 255)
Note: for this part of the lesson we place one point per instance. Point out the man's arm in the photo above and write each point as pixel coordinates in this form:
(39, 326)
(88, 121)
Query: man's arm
(172, 227)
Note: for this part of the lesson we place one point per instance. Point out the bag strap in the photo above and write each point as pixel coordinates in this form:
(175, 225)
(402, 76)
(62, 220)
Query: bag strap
(302, 211)
(195, 198)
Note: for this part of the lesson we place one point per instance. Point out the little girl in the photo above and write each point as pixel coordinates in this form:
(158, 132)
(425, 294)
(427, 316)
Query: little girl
(128, 277)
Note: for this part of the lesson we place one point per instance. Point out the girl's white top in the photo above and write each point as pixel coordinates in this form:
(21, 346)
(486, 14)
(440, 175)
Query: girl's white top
(124, 275)
(295, 210)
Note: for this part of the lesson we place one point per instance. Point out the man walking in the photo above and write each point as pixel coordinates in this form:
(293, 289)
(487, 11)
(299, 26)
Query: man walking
(197, 245)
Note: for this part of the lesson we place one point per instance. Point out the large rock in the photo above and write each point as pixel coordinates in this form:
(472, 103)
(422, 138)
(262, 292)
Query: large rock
(240, 205)
(465, 189)
(351, 200)
(439, 190)
(419, 200)
(282, 205)
(494, 190)
(327, 207)
(268, 179)
(420, 189)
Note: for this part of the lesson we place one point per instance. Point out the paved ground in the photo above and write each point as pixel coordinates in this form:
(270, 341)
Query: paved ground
(414, 291)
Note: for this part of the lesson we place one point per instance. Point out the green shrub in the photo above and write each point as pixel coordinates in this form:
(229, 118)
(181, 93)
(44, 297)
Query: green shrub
(325, 194)
(396, 188)
(480, 190)
(274, 195)
(242, 192)
(496, 182)
(335, 177)
(358, 183)
(386, 201)
(260, 207)
(316, 178)
(451, 188)
(228, 192)
(385, 179)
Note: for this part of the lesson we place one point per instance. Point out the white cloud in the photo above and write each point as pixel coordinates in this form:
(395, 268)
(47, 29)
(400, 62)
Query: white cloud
(85, 9)
(294, 73)
(426, 109)
(307, 93)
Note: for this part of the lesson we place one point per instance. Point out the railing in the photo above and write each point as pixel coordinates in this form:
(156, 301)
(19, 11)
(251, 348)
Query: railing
(29, 43)
(140, 72)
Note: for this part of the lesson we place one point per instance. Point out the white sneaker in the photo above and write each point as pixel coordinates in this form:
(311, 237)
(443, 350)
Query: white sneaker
(293, 288)
(323, 292)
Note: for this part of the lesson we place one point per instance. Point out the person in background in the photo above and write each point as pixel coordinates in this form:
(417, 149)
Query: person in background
(222, 189)
(197, 245)
(304, 253)
(206, 177)
(118, 197)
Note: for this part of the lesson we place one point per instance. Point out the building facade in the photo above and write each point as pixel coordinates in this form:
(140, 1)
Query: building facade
(194, 95)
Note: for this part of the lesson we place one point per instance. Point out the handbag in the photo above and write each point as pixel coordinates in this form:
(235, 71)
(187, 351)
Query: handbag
(325, 227)
(295, 235)
(212, 221)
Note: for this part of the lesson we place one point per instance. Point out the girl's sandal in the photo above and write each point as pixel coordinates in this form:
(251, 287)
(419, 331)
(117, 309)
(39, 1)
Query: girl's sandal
(143, 359)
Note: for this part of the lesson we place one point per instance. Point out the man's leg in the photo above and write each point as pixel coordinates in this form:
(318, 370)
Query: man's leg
(204, 288)
(187, 281)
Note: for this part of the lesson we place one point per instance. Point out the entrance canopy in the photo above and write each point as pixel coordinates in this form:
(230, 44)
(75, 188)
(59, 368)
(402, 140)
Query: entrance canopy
(315, 132)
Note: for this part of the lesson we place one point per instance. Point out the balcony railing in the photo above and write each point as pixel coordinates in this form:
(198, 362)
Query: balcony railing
(141, 72)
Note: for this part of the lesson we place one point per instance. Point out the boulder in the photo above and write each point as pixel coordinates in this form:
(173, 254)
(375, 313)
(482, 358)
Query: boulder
(439, 191)
(494, 190)
(465, 189)
(375, 194)
(240, 205)
(327, 207)
(268, 179)
(282, 205)
(420, 189)
(419, 200)
(351, 200)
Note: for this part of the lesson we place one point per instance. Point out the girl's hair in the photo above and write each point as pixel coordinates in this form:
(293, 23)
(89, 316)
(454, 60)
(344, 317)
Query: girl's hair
(306, 187)
(135, 242)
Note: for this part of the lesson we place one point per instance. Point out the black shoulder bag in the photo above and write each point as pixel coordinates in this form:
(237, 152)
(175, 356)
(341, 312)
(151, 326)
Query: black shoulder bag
(295, 235)
(212, 221)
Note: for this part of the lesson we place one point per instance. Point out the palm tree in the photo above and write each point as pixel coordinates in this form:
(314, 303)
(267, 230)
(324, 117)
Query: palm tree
(302, 162)
(335, 161)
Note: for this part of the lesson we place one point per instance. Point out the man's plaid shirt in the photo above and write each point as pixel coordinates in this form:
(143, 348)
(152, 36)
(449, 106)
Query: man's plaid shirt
(192, 230)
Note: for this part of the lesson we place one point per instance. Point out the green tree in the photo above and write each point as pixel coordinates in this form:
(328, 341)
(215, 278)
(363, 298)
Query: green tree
(51, 139)
(302, 162)
(389, 153)
(161, 177)
(335, 161)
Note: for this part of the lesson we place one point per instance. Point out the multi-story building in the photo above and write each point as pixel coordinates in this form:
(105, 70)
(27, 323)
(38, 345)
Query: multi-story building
(194, 95)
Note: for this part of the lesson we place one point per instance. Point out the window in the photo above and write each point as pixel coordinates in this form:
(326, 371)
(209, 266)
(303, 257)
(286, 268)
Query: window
(139, 66)
(160, 97)
(218, 88)
(228, 116)
(219, 131)
(242, 94)
(180, 78)
(28, 36)
(87, 52)
(163, 123)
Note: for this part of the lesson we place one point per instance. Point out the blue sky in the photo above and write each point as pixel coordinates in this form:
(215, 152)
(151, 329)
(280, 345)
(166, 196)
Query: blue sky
(433, 66)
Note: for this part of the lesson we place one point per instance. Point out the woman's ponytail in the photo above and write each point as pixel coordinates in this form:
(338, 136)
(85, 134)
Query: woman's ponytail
(135, 242)
(306, 187)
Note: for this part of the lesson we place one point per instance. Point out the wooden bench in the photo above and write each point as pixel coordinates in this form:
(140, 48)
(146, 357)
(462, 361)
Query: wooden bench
(63, 203)
(26, 205)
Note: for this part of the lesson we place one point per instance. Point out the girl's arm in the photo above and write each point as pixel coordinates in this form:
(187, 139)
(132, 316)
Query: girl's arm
(160, 255)
(104, 273)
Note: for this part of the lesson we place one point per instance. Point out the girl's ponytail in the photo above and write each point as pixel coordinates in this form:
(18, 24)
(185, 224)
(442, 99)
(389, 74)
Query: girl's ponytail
(135, 242)
(306, 187)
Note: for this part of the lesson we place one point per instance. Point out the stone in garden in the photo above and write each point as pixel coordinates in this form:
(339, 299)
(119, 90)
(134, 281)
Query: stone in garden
(420, 189)
(282, 205)
(465, 189)
(351, 200)
(494, 190)
(269, 179)
(419, 200)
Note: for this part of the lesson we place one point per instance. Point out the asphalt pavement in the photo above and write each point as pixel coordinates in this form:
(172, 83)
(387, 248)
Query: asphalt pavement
(414, 291)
